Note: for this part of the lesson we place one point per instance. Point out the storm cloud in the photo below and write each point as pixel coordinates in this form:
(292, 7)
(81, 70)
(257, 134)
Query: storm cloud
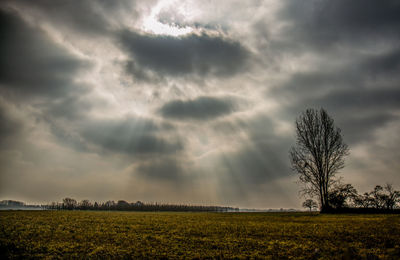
(190, 54)
(129, 136)
(88, 18)
(31, 64)
(201, 108)
(165, 169)
(9, 127)
(354, 48)
(325, 23)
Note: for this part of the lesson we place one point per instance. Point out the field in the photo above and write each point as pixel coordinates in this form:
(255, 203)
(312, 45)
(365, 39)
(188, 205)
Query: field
(80, 234)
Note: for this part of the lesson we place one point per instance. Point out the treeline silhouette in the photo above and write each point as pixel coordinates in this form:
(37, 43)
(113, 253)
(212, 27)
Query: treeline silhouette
(122, 205)
(14, 204)
(344, 198)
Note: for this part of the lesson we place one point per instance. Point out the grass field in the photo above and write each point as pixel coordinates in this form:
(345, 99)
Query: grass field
(79, 234)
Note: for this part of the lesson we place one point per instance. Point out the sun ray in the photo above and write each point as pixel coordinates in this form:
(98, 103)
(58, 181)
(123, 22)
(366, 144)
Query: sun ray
(151, 24)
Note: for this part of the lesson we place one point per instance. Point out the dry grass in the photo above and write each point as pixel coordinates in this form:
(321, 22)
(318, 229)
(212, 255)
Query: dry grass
(79, 234)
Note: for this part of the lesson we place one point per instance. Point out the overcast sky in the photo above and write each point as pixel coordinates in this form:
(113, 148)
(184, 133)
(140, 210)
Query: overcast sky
(191, 101)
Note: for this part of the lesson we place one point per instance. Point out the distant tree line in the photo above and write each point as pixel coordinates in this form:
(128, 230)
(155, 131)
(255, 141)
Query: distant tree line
(13, 203)
(345, 198)
(122, 205)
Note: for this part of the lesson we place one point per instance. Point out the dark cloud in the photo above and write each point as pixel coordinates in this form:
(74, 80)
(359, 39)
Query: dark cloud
(71, 107)
(168, 169)
(132, 136)
(179, 56)
(340, 92)
(201, 108)
(88, 17)
(323, 22)
(258, 163)
(358, 108)
(384, 65)
(313, 84)
(127, 136)
(33, 68)
(31, 64)
(9, 127)
(364, 75)
(68, 137)
(359, 128)
(362, 93)
(360, 112)
(363, 100)
(82, 15)
(262, 158)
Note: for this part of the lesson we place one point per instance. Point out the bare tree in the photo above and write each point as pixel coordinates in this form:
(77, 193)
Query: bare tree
(363, 201)
(341, 195)
(383, 197)
(318, 155)
(85, 204)
(310, 204)
(392, 196)
(377, 197)
(69, 203)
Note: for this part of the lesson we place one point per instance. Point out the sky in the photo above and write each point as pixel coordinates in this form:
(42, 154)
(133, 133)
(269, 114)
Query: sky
(191, 101)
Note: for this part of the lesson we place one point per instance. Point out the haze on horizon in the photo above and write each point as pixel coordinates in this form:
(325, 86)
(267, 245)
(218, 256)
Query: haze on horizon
(191, 101)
